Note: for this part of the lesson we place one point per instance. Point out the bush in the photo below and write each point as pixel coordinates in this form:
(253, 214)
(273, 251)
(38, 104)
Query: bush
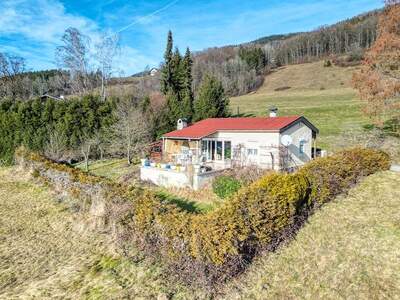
(327, 63)
(331, 176)
(206, 249)
(225, 186)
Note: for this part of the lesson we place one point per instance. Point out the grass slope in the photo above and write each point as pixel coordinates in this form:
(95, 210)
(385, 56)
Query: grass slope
(323, 95)
(46, 252)
(348, 250)
(114, 169)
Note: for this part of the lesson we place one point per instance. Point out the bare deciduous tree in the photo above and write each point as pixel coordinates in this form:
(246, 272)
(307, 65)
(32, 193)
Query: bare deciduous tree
(11, 68)
(131, 130)
(56, 145)
(85, 146)
(106, 50)
(73, 55)
(100, 142)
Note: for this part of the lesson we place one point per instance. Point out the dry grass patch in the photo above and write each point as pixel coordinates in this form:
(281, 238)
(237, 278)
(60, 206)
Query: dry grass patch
(45, 252)
(348, 249)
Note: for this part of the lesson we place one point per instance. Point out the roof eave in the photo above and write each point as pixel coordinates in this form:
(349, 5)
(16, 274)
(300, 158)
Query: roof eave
(301, 119)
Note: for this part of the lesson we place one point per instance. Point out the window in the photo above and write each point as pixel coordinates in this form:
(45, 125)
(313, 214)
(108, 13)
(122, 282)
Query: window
(227, 150)
(301, 146)
(252, 152)
(204, 147)
(219, 150)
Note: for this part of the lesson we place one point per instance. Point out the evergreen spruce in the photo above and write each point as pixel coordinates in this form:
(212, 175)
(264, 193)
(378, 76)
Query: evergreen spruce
(166, 72)
(177, 73)
(212, 101)
(187, 98)
(30, 123)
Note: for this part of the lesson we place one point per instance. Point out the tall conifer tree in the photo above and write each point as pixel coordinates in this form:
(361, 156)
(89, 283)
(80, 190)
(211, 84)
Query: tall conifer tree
(187, 97)
(166, 72)
(212, 101)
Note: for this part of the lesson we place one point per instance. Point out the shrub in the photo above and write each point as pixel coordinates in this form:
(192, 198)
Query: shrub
(225, 186)
(331, 176)
(206, 249)
(327, 63)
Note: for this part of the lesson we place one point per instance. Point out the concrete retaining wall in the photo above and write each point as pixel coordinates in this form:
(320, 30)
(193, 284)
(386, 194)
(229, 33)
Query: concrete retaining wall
(171, 178)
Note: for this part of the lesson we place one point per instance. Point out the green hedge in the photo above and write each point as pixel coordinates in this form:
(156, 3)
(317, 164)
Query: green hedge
(29, 123)
(205, 248)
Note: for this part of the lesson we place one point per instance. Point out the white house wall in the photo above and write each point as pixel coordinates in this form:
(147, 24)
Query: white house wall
(265, 142)
(299, 132)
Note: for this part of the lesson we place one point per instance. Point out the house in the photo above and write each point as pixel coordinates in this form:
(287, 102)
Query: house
(153, 72)
(48, 96)
(212, 145)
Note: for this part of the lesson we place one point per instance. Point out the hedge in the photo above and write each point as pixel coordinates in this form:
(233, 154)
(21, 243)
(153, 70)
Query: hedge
(207, 248)
(331, 176)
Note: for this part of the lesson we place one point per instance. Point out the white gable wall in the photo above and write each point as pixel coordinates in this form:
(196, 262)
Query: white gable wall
(300, 132)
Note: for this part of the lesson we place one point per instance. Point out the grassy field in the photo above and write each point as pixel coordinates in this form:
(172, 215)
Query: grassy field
(348, 250)
(115, 169)
(46, 252)
(323, 95)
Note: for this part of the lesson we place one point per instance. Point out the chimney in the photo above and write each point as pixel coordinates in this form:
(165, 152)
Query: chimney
(182, 123)
(273, 112)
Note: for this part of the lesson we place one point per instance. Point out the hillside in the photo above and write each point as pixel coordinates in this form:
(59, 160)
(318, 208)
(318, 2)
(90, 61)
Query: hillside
(47, 251)
(322, 94)
(348, 248)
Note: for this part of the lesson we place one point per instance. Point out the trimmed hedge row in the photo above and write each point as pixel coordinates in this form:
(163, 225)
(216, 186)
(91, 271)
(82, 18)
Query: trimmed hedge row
(331, 176)
(207, 248)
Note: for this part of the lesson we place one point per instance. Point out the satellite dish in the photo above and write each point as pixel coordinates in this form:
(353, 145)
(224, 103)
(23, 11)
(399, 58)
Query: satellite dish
(286, 140)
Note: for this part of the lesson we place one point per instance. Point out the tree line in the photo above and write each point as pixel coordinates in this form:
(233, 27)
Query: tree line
(242, 68)
(348, 37)
(83, 67)
(51, 126)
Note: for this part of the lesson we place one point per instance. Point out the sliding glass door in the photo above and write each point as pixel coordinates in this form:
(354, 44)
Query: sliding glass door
(214, 150)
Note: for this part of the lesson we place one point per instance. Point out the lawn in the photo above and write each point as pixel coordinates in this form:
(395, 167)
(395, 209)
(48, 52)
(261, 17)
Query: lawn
(115, 169)
(350, 249)
(323, 95)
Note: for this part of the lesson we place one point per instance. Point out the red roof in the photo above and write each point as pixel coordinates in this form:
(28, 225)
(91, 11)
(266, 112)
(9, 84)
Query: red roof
(209, 126)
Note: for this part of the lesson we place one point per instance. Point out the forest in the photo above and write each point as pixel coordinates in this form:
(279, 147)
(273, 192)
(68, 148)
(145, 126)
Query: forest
(101, 107)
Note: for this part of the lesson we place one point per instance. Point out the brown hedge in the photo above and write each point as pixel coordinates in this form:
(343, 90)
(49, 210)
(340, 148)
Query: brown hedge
(207, 248)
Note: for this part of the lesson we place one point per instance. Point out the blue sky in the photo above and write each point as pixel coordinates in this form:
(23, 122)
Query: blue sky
(32, 28)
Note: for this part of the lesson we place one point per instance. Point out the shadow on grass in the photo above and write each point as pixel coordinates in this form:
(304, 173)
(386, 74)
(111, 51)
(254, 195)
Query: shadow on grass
(184, 204)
